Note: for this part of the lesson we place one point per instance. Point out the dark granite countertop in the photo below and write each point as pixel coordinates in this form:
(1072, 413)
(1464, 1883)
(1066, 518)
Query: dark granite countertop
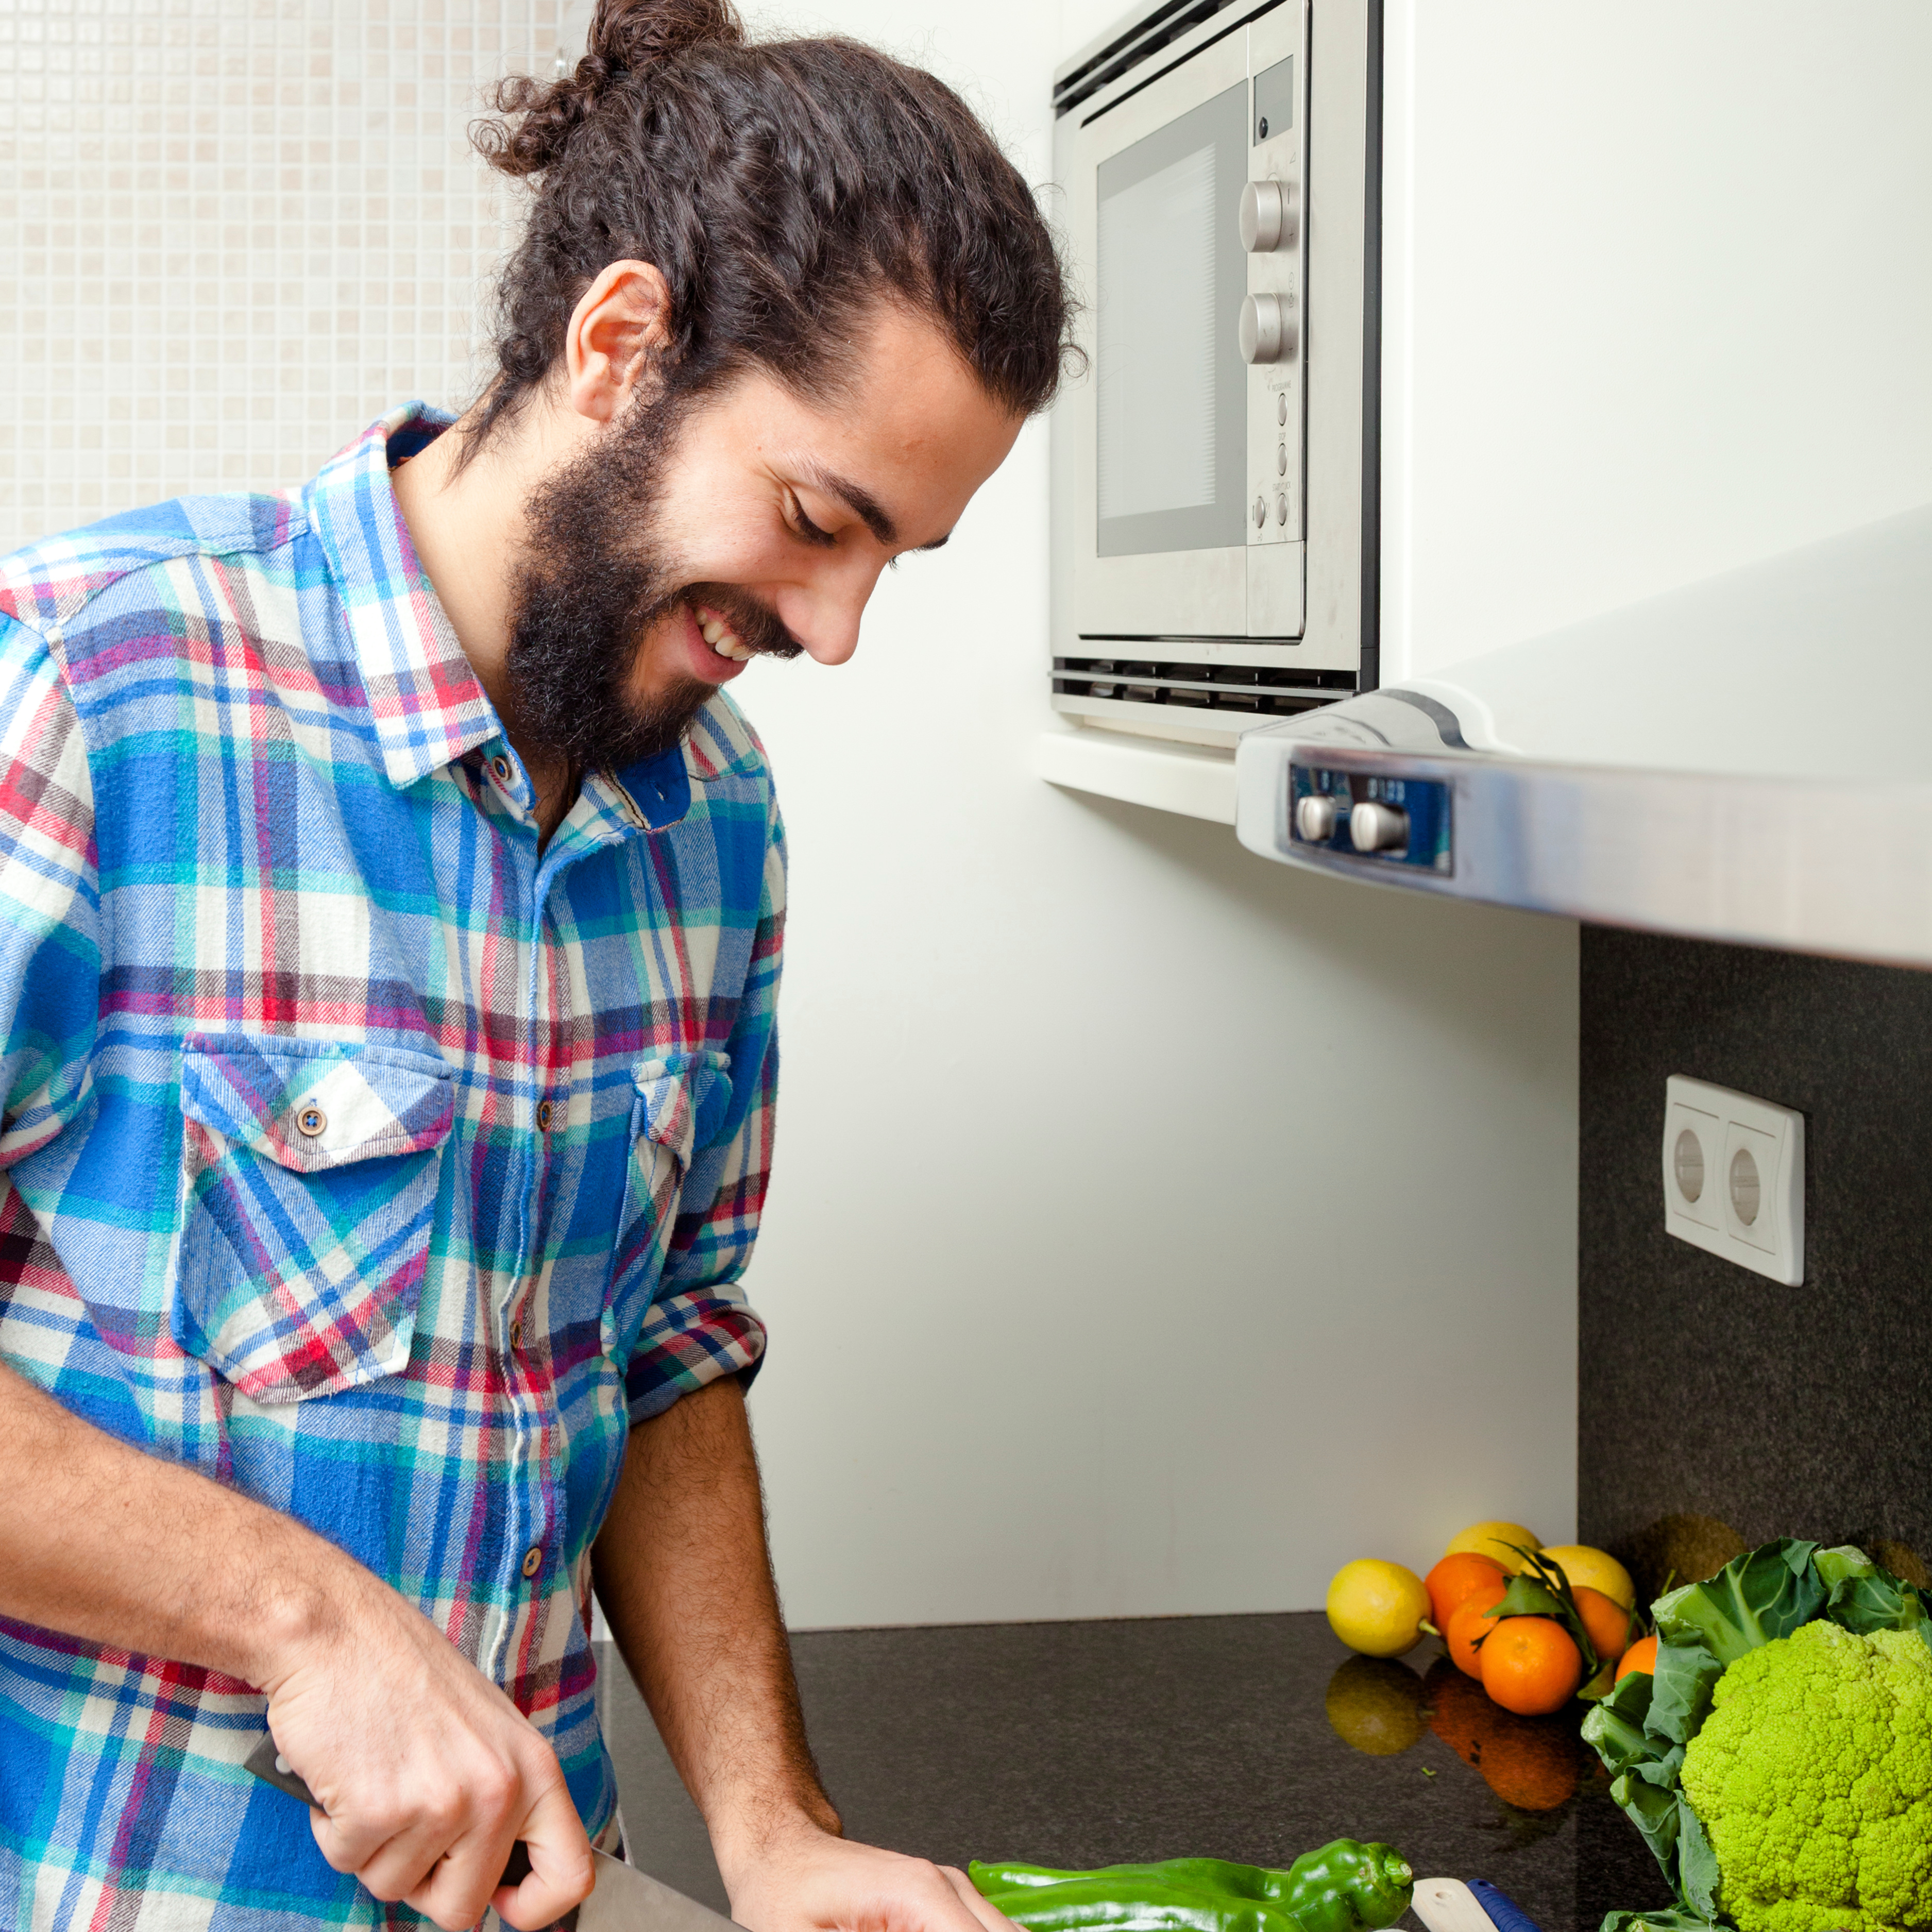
(1089, 1743)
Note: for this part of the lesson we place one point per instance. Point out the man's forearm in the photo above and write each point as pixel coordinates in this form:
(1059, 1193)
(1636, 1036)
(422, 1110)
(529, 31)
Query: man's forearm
(685, 1576)
(100, 1542)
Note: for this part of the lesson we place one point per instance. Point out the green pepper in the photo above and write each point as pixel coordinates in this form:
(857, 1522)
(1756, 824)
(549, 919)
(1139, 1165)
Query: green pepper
(1102, 1902)
(1344, 1886)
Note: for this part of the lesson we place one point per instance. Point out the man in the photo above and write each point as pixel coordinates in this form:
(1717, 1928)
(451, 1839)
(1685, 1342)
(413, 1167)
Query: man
(392, 910)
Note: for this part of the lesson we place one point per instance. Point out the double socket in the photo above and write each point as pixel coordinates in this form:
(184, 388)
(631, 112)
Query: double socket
(1734, 1177)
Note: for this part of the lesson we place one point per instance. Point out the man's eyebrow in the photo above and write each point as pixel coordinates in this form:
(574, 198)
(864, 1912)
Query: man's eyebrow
(861, 503)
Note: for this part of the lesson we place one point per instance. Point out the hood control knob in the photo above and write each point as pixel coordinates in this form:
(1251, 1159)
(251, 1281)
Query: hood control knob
(1378, 828)
(1267, 329)
(1314, 818)
(1267, 217)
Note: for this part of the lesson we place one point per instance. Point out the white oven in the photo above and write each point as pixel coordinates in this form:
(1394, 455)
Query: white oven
(1214, 479)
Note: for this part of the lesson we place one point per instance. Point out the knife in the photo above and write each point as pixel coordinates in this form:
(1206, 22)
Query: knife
(625, 1900)
(1448, 1905)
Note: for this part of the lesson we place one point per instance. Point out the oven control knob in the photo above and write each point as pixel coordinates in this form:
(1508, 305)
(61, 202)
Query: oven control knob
(1314, 818)
(1267, 217)
(1267, 330)
(1378, 828)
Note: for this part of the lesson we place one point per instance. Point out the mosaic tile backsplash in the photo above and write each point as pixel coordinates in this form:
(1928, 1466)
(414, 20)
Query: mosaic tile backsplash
(234, 232)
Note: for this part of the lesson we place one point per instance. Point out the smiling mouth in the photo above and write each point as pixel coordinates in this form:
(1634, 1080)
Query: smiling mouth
(719, 635)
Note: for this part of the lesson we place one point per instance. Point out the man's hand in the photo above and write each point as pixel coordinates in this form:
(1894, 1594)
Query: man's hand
(685, 1577)
(427, 1774)
(805, 1879)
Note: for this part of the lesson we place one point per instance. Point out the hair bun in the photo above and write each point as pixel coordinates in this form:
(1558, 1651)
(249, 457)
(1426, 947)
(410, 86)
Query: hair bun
(626, 36)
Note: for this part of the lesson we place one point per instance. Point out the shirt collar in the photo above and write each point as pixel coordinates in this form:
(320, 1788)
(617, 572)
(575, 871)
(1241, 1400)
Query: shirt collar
(427, 704)
(657, 790)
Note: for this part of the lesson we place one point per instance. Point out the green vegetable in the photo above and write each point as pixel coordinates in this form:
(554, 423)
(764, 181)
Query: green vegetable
(1104, 1899)
(1344, 1886)
(1646, 1730)
(1813, 1778)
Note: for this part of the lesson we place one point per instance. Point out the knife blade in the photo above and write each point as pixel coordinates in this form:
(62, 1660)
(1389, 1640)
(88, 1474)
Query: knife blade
(625, 1900)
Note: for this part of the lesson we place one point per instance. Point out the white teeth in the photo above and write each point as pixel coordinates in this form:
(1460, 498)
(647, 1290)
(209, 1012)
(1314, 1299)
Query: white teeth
(720, 636)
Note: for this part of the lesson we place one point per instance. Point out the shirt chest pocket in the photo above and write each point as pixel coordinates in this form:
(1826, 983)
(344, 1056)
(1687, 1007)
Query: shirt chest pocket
(679, 1100)
(309, 1170)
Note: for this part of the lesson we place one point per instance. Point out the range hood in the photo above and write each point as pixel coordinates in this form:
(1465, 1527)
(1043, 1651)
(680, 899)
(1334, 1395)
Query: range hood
(1747, 759)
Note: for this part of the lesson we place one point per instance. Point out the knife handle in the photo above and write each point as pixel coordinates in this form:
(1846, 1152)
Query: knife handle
(1504, 1914)
(268, 1764)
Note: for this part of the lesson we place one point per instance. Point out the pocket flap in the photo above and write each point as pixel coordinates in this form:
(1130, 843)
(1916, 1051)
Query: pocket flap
(685, 1097)
(309, 1104)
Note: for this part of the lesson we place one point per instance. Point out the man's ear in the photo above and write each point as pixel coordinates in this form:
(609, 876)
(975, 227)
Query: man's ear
(616, 332)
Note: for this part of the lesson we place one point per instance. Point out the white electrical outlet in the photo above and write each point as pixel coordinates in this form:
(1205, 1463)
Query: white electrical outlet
(1734, 1177)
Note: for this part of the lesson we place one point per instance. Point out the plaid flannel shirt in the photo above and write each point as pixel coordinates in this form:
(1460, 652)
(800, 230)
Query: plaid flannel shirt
(354, 1152)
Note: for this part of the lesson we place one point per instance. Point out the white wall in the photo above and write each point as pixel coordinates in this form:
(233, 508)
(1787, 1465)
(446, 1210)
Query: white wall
(1154, 1229)
(1657, 300)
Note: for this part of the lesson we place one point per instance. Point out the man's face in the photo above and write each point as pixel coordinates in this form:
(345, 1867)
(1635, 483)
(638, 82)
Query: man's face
(691, 535)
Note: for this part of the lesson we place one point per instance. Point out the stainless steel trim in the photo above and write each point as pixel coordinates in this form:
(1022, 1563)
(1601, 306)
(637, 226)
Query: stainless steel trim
(1809, 865)
(1667, 765)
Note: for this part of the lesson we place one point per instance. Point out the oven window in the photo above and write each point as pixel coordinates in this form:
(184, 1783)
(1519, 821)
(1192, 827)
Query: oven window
(1172, 387)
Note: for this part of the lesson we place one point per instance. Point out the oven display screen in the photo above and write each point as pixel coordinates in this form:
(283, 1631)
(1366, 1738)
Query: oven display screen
(1172, 387)
(1156, 329)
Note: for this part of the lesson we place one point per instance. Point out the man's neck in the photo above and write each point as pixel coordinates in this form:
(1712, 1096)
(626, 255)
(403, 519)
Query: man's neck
(467, 525)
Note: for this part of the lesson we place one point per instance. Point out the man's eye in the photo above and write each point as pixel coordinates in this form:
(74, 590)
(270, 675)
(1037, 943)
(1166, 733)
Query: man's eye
(804, 527)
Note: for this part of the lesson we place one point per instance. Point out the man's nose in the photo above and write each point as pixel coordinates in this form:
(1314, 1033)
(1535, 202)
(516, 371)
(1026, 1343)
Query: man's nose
(825, 616)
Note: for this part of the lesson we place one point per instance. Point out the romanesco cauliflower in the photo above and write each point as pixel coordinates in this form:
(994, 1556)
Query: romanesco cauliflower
(1813, 1778)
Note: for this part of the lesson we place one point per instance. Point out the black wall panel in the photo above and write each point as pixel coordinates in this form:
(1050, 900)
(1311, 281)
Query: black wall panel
(1707, 1392)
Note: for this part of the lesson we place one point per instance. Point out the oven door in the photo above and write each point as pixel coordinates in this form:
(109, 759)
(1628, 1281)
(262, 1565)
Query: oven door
(1162, 513)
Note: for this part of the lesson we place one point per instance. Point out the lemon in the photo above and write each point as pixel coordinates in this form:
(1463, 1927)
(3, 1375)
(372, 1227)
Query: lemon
(1493, 1540)
(1375, 1704)
(1377, 1608)
(1589, 1569)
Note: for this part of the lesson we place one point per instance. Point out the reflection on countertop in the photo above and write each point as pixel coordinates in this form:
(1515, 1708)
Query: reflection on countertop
(1090, 1743)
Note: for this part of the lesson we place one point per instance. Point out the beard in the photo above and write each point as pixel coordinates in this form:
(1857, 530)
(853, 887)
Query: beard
(595, 578)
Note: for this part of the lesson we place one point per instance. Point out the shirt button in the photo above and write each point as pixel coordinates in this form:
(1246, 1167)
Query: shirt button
(516, 1333)
(544, 1112)
(311, 1120)
(532, 1559)
(500, 766)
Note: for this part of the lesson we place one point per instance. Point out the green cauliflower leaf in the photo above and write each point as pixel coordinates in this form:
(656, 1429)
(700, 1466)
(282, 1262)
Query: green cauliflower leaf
(1812, 1777)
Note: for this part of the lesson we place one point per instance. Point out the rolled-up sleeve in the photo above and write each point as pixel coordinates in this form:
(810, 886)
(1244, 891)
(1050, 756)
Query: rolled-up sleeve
(700, 1326)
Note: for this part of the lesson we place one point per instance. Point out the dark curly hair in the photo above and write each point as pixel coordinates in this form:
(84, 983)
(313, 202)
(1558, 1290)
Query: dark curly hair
(781, 188)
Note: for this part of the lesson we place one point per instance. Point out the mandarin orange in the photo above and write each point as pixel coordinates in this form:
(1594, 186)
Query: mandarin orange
(1606, 1620)
(1531, 1665)
(1469, 1626)
(1641, 1655)
(1450, 1583)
